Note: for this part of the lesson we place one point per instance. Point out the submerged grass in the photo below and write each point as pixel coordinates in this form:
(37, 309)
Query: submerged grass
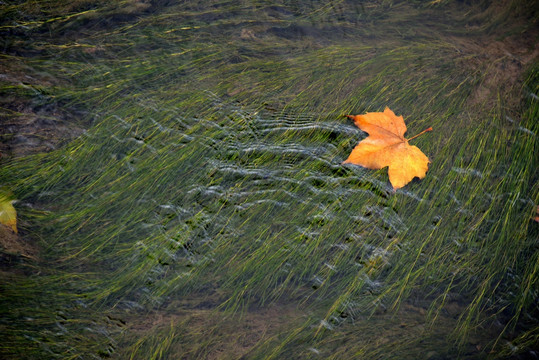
(212, 171)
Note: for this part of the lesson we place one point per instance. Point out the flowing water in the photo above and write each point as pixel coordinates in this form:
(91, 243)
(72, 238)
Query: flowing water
(180, 189)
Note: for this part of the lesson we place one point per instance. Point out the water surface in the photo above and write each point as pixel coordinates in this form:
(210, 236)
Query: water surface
(197, 206)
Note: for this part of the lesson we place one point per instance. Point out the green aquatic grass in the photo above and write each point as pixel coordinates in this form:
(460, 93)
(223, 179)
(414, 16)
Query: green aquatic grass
(213, 163)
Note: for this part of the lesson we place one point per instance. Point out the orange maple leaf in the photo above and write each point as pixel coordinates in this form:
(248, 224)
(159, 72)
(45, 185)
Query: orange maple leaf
(386, 146)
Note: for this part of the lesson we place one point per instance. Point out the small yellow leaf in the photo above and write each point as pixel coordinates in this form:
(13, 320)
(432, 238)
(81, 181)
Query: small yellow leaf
(8, 215)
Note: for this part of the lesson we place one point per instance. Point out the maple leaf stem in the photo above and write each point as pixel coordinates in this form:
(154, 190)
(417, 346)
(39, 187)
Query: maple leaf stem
(421, 133)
